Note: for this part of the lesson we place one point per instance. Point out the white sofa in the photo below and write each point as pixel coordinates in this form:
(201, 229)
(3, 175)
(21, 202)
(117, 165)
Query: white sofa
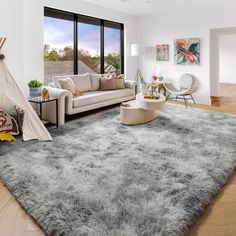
(92, 97)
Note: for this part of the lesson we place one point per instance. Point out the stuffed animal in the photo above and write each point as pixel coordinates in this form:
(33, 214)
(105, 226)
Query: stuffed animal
(45, 94)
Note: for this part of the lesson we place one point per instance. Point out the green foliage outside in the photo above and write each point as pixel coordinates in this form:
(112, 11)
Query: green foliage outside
(93, 62)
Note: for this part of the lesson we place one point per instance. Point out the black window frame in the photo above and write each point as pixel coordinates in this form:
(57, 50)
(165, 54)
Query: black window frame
(76, 18)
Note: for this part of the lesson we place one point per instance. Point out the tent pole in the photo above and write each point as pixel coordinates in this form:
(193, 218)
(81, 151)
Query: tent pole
(2, 41)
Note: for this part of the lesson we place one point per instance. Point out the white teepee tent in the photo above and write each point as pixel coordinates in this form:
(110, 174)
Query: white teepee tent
(32, 128)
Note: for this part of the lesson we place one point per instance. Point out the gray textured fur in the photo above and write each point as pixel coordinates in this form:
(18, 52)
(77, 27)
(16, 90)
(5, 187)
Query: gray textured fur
(104, 179)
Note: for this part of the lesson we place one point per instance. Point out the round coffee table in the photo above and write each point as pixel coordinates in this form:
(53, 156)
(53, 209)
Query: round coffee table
(141, 110)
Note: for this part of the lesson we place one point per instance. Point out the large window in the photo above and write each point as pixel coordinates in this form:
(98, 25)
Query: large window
(112, 48)
(75, 44)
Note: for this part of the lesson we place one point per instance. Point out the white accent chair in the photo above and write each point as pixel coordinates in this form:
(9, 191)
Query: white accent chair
(188, 86)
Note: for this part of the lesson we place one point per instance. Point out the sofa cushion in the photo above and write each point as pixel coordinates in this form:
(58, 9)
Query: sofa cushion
(82, 83)
(100, 96)
(95, 81)
(108, 82)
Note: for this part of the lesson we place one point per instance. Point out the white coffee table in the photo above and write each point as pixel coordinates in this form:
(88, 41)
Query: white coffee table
(141, 110)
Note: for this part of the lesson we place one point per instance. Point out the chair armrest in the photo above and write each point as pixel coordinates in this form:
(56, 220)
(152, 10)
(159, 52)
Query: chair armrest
(130, 84)
(65, 101)
(170, 87)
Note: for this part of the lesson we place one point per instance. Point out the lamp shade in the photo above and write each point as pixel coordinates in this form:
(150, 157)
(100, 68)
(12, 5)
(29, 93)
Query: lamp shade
(135, 49)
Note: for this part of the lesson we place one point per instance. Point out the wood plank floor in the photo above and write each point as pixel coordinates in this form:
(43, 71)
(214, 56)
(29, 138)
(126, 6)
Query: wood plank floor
(219, 219)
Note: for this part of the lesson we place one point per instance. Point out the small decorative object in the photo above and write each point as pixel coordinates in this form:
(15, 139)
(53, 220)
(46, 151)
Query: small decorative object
(154, 78)
(152, 97)
(45, 94)
(162, 52)
(35, 88)
(187, 51)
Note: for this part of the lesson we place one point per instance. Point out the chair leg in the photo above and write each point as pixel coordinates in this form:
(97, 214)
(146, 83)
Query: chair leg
(185, 101)
(192, 98)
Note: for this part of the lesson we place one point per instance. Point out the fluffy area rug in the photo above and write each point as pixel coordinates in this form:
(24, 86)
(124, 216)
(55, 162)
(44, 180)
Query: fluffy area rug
(101, 178)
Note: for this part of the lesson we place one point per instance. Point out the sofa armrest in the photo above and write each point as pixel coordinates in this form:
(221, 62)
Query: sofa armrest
(65, 101)
(130, 84)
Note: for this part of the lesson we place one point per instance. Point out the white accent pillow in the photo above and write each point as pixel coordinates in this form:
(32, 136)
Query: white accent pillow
(95, 81)
(82, 83)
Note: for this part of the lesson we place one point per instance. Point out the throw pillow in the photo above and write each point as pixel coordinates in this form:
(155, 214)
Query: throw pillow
(108, 83)
(67, 84)
(95, 81)
(120, 82)
(82, 83)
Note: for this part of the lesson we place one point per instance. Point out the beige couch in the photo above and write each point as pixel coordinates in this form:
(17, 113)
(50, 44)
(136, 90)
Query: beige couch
(92, 98)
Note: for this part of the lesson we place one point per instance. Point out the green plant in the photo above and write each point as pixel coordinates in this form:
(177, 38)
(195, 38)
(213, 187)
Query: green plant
(35, 84)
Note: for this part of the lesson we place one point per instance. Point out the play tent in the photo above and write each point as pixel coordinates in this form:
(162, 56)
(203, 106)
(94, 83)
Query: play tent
(32, 128)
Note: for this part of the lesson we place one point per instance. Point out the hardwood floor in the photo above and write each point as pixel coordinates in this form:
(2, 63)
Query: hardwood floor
(228, 90)
(14, 221)
(219, 219)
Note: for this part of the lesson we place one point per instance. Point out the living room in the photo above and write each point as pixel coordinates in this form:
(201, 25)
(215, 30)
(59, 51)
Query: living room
(144, 142)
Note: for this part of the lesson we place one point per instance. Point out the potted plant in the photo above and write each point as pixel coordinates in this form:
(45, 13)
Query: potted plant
(35, 88)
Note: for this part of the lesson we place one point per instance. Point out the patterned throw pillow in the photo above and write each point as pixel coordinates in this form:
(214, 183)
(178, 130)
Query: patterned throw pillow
(6, 125)
(108, 82)
(67, 84)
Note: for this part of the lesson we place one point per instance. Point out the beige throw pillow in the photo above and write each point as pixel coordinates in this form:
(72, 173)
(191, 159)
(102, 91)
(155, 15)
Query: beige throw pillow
(108, 82)
(82, 83)
(120, 82)
(95, 81)
(67, 84)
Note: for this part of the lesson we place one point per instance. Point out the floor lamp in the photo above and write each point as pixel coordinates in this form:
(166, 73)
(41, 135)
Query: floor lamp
(136, 52)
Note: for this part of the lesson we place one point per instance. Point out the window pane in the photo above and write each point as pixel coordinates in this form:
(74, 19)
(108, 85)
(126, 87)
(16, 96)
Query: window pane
(89, 42)
(58, 48)
(112, 50)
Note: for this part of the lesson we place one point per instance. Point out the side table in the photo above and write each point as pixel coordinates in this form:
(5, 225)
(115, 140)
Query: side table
(39, 101)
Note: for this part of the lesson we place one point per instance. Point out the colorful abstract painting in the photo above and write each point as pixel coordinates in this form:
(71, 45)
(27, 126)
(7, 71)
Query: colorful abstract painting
(162, 52)
(187, 51)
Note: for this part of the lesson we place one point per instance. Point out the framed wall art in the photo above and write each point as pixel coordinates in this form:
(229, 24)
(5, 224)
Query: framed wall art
(187, 51)
(162, 52)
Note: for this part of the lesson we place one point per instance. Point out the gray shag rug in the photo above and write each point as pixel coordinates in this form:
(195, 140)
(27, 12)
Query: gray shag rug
(103, 179)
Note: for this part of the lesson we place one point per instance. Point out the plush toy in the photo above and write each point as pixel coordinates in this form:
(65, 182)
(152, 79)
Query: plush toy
(45, 94)
(6, 137)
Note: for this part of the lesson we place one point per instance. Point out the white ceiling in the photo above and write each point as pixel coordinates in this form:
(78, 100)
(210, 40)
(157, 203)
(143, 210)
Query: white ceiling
(143, 7)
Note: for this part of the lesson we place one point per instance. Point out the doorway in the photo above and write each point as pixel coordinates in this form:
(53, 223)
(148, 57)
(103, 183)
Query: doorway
(223, 67)
(227, 66)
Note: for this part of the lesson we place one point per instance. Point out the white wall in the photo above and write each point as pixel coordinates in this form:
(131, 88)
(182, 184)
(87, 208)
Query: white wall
(11, 27)
(33, 24)
(33, 40)
(227, 46)
(164, 27)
